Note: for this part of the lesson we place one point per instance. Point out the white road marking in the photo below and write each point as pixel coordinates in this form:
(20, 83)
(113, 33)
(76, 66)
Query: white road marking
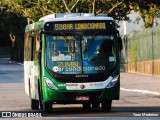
(141, 91)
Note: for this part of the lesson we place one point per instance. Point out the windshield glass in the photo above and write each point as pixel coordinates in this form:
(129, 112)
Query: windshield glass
(80, 54)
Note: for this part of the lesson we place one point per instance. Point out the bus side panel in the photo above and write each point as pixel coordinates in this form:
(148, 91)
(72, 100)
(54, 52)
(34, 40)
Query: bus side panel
(29, 79)
(26, 63)
(26, 77)
(36, 65)
(30, 67)
(37, 79)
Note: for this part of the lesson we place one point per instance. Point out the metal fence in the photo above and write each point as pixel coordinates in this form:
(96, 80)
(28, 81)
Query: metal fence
(141, 52)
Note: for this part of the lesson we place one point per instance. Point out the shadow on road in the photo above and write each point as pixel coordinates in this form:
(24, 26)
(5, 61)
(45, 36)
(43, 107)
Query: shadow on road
(81, 112)
(137, 109)
(116, 112)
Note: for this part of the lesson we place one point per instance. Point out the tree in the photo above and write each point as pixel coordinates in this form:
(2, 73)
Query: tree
(149, 10)
(114, 8)
(13, 27)
(34, 9)
(119, 9)
(14, 13)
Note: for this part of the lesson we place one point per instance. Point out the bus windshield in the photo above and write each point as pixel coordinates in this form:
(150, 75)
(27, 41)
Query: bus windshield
(80, 54)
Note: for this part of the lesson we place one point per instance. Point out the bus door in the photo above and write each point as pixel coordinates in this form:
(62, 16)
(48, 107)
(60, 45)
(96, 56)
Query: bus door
(31, 68)
(34, 67)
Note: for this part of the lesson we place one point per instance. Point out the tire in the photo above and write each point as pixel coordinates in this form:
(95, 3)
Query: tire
(41, 104)
(34, 104)
(47, 107)
(40, 97)
(107, 105)
(95, 105)
(86, 105)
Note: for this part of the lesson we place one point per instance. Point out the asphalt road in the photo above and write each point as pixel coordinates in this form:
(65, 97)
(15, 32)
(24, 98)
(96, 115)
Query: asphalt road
(140, 96)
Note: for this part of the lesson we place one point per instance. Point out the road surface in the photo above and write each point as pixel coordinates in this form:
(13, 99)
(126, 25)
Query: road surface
(139, 96)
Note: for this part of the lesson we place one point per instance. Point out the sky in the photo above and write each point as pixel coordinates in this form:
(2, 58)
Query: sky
(130, 26)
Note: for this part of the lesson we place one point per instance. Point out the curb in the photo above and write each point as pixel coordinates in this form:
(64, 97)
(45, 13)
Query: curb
(142, 91)
(15, 62)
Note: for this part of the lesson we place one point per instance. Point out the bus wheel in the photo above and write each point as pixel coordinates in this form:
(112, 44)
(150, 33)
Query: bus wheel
(47, 107)
(106, 105)
(41, 104)
(95, 105)
(40, 97)
(34, 104)
(86, 105)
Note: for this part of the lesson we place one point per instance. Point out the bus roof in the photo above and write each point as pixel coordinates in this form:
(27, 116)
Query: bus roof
(74, 16)
(66, 17)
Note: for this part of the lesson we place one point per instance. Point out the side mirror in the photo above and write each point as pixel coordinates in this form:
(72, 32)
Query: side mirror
(120, 43)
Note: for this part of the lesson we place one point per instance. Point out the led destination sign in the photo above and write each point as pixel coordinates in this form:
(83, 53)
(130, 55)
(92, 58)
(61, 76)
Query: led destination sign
(78, 26)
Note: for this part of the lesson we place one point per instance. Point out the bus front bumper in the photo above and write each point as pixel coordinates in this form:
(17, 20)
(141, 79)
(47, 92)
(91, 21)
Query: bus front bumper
(73, 96)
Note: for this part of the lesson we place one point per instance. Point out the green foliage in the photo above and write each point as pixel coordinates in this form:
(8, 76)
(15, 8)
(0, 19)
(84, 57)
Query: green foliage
(149, 10)
(12, 24)
(119, 9)
(14, 13)
(35, 9)
(133, 52)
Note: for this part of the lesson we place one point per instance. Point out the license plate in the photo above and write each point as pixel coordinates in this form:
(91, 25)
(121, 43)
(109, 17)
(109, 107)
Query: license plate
(82, 98)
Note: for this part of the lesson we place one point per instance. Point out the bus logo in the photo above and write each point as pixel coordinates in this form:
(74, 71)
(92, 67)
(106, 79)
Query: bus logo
(6, 114)
(55, 69)
(82, 86)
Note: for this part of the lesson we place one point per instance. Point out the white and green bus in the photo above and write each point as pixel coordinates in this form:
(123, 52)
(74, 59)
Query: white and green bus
(72, 59)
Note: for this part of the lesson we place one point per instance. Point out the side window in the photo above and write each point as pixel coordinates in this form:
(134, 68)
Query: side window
(31, 46)
(37, 45)
(26, 45)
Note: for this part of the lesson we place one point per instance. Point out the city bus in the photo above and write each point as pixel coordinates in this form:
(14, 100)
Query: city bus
(72, 59)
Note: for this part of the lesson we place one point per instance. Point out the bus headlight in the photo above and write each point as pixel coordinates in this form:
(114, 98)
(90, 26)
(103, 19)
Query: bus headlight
(112, 82)
(50, 84)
